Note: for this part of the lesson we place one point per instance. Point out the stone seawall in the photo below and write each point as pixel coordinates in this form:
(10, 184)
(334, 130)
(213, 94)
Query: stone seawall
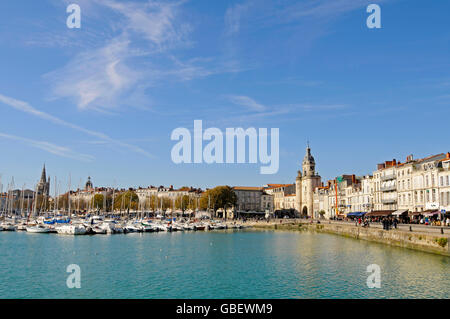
(438, 244)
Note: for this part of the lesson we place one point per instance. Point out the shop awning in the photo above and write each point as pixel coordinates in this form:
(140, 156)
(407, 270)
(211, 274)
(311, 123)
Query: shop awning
(379, 213)
(415, 213)
(399, 212)
(356, 214)
(428, 214)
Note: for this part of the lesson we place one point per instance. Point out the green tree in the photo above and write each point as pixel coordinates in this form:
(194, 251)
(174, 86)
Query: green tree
(98, 201)
(220, 197)
(126, 200)
(63, 201)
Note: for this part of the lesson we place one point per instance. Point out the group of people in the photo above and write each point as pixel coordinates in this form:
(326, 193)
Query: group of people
(428, 221)
(362, 222)
(387, 222)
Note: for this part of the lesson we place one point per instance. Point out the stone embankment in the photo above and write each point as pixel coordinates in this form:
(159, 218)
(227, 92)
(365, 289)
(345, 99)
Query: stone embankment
(428, 242)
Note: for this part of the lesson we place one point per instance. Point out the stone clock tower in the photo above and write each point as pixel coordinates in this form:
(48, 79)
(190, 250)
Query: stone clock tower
(305, 183)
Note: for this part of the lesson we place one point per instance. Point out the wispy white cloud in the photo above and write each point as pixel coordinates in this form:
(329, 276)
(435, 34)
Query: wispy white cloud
(107, 75)
(247, 102)
(96, 78)
(233, 17)
(58, 150)
(137, 57)
(27, 108)
(155, 21)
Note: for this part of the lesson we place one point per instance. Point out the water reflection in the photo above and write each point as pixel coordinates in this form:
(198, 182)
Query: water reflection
(241, 264)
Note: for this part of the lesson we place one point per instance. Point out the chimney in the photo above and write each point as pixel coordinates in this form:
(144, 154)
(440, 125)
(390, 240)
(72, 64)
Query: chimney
(447, 156)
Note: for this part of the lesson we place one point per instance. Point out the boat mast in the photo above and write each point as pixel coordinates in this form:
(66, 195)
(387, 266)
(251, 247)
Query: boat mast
(55, 201)
(22, 200)
(78, 196)
(34, 204)
(112, 205)
(68, 198)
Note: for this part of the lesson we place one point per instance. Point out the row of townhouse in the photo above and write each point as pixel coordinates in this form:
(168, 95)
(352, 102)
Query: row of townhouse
(351, 193)
(415, 186)
(283, 196)
(86, 194)
(145, 194)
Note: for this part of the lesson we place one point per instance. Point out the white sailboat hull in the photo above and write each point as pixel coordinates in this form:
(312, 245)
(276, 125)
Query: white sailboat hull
(37, 229)
(71, 230)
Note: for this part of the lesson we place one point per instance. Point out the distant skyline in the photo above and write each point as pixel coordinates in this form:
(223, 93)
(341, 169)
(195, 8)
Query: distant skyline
(102, 101)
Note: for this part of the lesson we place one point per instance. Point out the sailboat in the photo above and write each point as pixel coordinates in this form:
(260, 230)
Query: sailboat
(38, 229)
(71, 230)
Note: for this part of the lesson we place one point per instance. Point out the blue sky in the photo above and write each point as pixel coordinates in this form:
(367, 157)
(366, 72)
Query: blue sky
(103, 100)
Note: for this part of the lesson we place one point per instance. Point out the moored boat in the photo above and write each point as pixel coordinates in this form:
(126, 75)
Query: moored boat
(71, 230)
(8, 227)
(38, 229)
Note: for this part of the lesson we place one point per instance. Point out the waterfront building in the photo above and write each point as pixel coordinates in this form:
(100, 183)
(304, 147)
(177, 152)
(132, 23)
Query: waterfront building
(279, 193)
(289, 201)
(425, 183)
(323, 202)
(306, 182)
(267, 204)
(405, 186)
(82, 199)
(248, 198)
(415, 186)
(444, 184)
(385, 184)
(145, 195)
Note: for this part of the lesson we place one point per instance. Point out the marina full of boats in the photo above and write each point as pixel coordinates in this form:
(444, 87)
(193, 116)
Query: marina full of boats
(93, 225)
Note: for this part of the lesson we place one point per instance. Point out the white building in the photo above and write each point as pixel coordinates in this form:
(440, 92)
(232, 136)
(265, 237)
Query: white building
(444, 184)
(415, 186)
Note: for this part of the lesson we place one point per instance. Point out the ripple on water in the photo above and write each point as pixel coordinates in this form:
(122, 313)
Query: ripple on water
(244, 264)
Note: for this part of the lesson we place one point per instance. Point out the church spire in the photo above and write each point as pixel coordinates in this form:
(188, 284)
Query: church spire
(43, 175)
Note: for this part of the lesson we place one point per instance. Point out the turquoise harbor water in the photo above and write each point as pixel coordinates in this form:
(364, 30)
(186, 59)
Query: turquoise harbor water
(221, 264)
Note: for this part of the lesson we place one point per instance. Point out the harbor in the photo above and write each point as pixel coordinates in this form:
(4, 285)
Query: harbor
(98, 225)
(240, 264)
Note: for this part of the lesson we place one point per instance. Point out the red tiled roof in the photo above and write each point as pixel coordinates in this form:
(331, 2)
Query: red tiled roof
(248, 188)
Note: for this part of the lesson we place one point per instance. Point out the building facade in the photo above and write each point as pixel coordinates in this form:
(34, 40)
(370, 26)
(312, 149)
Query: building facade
(414, 186)
(306, 182)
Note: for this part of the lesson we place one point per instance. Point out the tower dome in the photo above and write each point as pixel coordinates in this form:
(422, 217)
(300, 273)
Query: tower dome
(89, 184)
(308, 157)
(309, 164)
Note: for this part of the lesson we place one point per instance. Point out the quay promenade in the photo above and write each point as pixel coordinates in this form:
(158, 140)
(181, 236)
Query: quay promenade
(433, 239)
(415, 228)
